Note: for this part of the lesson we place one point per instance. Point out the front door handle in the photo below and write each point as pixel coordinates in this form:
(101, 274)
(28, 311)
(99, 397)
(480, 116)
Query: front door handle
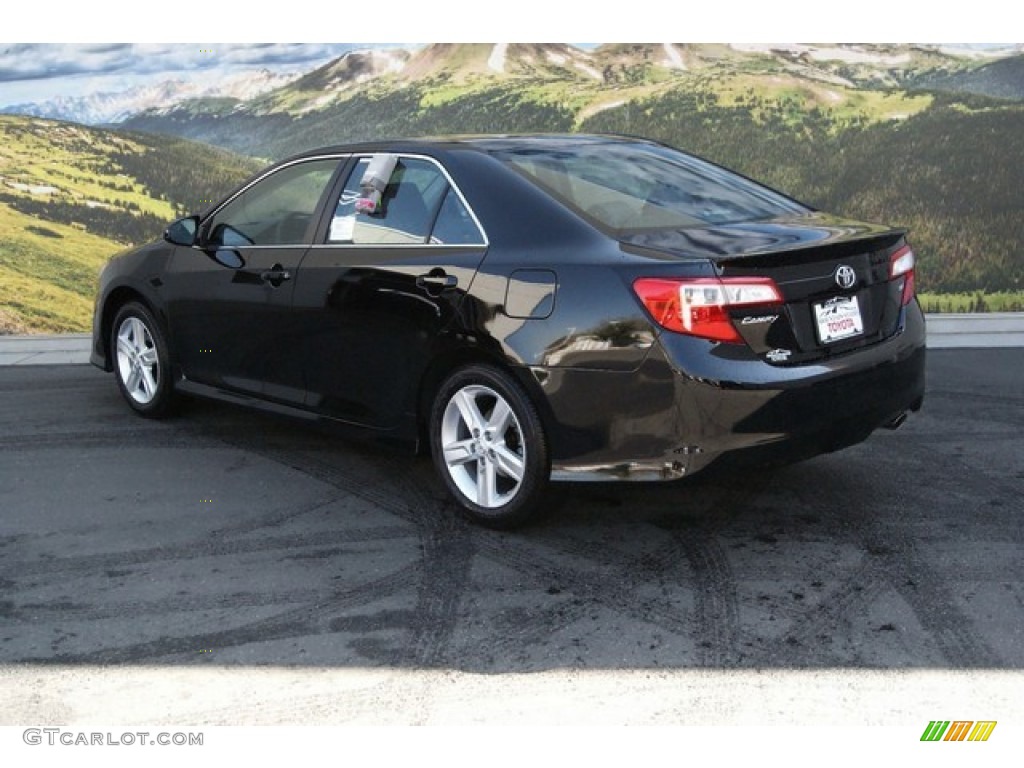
(437, 279)
(275, 275)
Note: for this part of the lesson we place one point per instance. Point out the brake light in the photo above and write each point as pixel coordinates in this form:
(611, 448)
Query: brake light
(700, 306)
(901, 264)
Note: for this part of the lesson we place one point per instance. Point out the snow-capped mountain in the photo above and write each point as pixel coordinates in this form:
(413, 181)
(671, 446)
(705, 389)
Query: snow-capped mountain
(259, 93)
(107, 108)
(332, 81)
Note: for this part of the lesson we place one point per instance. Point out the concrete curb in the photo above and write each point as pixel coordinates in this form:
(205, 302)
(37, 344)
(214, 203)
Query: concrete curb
(990, 329)
(945, 331)
(57, 349)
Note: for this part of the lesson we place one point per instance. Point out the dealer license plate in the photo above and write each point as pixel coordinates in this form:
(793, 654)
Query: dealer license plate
(838, 319)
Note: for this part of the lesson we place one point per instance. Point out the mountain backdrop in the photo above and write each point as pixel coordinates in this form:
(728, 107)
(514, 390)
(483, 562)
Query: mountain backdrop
(931, 138)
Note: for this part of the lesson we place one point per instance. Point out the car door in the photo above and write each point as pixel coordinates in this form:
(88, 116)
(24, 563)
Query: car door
(376, 290)
(229, 298)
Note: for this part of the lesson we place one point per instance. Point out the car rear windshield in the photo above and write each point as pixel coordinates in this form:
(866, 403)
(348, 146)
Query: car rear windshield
(627, 186)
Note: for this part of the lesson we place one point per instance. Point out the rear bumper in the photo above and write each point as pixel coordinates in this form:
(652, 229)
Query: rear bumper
(693, 403)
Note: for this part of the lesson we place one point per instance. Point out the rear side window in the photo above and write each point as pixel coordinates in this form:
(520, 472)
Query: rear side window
(417, 207)
(454, 225)
(632, 186)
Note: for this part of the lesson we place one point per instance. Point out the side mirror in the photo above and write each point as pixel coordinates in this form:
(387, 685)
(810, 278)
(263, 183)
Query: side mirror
(183, 231)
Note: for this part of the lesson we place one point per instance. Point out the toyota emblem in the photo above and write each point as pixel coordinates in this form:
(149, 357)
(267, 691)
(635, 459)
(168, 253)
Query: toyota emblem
(845, 276)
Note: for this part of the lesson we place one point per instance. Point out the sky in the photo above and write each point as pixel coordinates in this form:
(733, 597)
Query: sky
(37, 72)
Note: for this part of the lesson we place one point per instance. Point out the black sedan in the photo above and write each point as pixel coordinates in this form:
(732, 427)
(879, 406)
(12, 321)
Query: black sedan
(531, 308)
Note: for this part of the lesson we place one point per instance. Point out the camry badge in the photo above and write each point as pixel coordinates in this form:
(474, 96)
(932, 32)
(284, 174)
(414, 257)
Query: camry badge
(845, 276)
(750, 320)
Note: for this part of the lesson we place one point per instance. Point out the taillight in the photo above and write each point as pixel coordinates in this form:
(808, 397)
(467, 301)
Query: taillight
(700, 306)
(901, 264)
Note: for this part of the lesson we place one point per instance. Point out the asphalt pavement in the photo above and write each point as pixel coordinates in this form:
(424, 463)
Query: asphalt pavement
(230, 567)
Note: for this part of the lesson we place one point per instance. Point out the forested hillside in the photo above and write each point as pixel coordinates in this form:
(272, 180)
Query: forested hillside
(1003, 79)
(952, 174)
(389, 114)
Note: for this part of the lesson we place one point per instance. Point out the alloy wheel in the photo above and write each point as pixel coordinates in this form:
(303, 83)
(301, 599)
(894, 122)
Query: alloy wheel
(138, 362)
(483, 446)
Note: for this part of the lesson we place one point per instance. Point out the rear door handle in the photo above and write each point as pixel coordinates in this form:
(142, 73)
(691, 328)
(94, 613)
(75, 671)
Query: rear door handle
(437, 279)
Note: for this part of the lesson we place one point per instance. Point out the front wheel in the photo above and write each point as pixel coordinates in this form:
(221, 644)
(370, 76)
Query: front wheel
(489, 446)
(141, 361)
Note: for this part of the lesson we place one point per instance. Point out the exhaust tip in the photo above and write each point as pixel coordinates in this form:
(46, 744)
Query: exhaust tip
(896, 422)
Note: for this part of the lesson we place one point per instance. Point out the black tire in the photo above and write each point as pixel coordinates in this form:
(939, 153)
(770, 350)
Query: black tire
(497, 467)
(141, 361)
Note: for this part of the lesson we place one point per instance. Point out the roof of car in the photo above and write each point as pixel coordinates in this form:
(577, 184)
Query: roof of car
(481, 143)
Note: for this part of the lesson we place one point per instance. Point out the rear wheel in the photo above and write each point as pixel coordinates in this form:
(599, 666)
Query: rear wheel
(141, 361)
(489, 447)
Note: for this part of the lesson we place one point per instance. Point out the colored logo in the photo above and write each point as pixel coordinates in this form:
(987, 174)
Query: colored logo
(958, 730)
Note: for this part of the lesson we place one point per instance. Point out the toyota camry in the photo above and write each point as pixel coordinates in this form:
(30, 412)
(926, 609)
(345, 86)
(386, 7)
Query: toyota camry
(528, 309)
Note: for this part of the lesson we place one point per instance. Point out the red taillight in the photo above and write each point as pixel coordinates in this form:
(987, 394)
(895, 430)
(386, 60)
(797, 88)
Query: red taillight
(901, 264)
(700, 306)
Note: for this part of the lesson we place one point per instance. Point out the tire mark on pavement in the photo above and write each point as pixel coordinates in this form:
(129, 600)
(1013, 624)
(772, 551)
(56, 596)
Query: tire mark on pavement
(117, 438)
(446, 548)
(894, 561)
(718, 632)
(301, 621)
(32, 613)
(193, 549)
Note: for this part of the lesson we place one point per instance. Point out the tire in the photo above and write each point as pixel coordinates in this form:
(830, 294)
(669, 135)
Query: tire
(489, 446)
(141, 361)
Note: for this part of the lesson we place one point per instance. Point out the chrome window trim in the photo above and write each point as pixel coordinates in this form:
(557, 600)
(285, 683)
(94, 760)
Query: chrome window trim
(462, 246)
(344, 157)
(288, 246)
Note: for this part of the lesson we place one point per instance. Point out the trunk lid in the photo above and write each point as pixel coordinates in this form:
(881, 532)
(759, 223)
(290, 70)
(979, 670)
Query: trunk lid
(833, 275)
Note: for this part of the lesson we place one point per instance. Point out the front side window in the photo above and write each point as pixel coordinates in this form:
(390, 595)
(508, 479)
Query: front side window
(418, 206)
(629, 186)
(276, 210)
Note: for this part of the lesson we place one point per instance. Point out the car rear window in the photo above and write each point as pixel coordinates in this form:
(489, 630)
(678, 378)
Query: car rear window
(627, 186)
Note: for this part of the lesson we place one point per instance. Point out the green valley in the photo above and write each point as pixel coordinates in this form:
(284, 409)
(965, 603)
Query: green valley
(71, 196)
